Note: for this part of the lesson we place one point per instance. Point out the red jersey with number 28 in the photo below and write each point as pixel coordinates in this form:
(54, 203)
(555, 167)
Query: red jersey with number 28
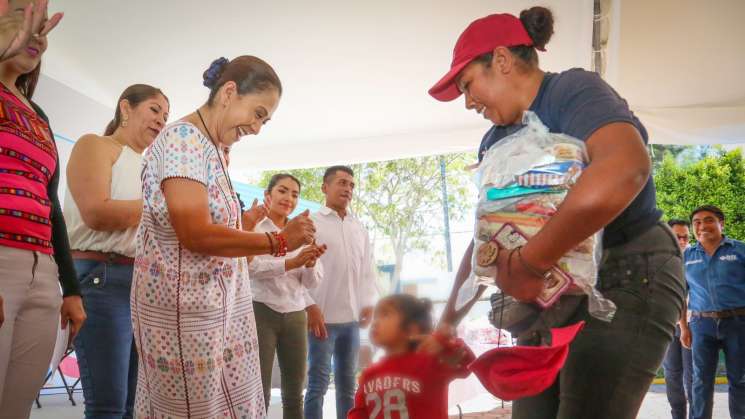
(409, 386)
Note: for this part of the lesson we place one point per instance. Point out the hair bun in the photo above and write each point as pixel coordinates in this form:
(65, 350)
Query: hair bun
(539, 23)
(212, 75)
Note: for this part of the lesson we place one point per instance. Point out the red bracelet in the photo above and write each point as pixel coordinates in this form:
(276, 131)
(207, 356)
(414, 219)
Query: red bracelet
(281, 244)
(271, 243)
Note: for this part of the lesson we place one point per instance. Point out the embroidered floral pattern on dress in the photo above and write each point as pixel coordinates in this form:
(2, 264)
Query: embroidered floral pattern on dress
(192, 314)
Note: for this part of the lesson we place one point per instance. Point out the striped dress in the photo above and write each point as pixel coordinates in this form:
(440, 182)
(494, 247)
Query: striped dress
(28, 159)
(192, 314)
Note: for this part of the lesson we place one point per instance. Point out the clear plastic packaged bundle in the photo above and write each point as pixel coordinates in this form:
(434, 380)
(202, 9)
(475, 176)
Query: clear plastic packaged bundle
(522, 180)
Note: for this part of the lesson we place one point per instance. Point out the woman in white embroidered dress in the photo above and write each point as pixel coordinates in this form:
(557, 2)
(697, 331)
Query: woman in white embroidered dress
(192, 308)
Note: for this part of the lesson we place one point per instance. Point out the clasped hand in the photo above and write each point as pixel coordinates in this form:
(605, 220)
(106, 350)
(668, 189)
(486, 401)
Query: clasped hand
(299, 231)
(307, 257)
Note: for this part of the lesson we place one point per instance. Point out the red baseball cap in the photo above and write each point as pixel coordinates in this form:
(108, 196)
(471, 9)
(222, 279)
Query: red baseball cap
(522, 371)
(480, 37)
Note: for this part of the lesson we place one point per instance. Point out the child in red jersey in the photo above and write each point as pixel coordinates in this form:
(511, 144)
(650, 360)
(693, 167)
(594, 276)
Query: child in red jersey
(407, 384)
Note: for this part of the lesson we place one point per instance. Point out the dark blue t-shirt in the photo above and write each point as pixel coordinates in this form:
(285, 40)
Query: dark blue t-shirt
(577, 103)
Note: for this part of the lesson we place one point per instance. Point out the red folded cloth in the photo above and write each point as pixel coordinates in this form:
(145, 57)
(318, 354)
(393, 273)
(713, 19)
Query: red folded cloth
(516, 372)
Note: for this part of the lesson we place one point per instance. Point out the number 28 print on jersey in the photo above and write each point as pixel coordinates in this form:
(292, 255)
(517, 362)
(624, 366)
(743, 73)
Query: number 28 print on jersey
(408, 386)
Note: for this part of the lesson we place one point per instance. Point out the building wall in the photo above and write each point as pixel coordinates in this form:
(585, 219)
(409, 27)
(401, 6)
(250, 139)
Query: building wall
(71, 114)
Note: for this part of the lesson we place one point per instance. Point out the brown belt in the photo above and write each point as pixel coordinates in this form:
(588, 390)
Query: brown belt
(113, 258)
(720, 314)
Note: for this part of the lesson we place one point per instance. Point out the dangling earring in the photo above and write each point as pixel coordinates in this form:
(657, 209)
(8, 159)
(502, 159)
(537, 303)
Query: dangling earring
(124, 121)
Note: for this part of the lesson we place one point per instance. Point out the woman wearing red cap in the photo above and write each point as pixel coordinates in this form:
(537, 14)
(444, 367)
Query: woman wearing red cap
(610, 364)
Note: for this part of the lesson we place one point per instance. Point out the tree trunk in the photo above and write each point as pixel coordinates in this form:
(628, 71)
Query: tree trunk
(396, 279)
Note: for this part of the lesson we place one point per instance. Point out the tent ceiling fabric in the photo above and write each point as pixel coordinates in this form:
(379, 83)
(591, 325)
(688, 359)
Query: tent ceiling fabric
(355, 74)
(680, 64)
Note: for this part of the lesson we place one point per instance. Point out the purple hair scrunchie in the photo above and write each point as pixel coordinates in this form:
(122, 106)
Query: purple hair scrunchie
(213, 73)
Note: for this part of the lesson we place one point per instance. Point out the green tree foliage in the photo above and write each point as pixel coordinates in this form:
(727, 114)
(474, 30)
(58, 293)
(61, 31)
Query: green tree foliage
(310, 179)
(401, 200)
(658, 152)
(683, 154)
(718, 179)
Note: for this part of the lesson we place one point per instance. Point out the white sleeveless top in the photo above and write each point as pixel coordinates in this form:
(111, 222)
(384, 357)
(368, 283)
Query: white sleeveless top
(125, 185)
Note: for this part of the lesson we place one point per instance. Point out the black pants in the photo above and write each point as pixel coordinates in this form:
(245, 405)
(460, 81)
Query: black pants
(678, 366)
(611, 364)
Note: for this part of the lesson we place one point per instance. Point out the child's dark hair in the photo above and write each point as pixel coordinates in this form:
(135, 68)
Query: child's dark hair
(414, 311)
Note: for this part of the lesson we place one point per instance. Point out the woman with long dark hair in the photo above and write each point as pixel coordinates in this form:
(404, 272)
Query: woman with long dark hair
(280, 292)
(34, 250)
(610, 364)
(103, 211)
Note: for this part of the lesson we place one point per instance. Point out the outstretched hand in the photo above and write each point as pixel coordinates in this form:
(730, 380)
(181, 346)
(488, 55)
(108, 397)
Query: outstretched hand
(444, 345)
(16, 30)
(434, 343)
(254, 215)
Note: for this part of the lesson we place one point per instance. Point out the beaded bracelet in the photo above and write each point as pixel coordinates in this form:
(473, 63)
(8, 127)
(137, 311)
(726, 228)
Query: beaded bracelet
(271, 243)
(281, 244)
(282, 251)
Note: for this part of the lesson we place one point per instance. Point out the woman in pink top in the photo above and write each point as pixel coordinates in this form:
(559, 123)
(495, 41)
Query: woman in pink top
(34, 250)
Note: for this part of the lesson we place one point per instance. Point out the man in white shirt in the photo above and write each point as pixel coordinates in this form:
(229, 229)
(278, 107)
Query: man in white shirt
(343, 301)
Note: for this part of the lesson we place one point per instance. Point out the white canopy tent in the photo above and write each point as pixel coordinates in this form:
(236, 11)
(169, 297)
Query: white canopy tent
(355, 74)
(680, 65)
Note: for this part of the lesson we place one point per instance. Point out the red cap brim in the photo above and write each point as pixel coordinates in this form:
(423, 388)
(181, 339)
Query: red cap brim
(516, 372)
(446, 90)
